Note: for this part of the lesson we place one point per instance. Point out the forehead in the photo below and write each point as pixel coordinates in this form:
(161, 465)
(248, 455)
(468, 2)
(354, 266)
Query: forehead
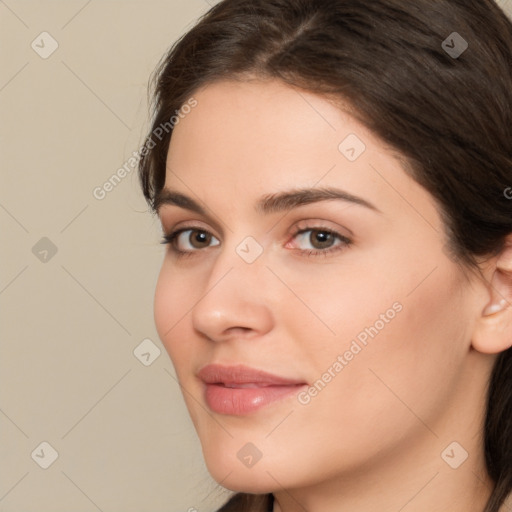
(247, 139)
(251, 114)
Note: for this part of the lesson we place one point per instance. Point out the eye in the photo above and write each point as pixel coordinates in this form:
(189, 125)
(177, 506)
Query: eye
(315, 241)
(188, 240)
(318, 240)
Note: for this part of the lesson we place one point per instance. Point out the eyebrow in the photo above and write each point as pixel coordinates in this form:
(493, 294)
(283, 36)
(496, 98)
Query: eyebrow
(270, 203)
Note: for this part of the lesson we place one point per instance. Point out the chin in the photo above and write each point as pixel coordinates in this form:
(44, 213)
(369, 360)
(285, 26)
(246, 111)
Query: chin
(233, 475)
(251, 483)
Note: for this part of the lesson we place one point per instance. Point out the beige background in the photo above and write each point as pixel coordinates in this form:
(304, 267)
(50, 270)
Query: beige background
(70, 321)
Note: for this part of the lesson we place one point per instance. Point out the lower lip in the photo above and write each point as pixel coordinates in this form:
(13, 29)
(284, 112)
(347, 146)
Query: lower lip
(240, 401)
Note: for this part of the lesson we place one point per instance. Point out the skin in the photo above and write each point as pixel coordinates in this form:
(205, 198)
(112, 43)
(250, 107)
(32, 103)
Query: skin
(372, 439)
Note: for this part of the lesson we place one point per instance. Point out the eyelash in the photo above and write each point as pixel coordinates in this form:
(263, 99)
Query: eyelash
(170, 240)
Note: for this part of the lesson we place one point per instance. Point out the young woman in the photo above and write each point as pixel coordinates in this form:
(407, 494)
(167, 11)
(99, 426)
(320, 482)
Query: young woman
(334, 182)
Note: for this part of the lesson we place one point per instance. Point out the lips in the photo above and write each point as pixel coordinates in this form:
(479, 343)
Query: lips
(236, 376)
(239, 390)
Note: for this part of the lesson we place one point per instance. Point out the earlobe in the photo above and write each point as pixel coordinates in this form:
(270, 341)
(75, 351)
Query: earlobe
(493, 329)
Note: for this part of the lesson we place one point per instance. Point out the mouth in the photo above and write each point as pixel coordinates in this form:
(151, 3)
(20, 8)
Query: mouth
(241, 386)
(239, 390)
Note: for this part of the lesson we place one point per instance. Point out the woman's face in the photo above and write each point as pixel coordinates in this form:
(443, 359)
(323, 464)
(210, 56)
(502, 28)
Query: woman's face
(352, 301)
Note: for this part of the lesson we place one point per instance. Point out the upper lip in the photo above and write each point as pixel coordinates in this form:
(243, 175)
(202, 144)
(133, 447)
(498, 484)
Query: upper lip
(241, 374)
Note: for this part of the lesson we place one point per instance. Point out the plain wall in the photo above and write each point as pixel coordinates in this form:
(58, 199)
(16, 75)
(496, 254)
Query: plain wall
(78, 268)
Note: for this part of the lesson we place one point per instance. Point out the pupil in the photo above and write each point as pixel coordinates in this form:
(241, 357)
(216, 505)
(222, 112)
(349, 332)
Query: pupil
(322, 238)
(200, 238)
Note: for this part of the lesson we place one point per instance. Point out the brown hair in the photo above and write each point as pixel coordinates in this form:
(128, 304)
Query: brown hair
(449, 115)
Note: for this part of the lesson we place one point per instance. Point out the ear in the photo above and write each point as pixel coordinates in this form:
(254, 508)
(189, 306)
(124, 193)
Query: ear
(493, 329)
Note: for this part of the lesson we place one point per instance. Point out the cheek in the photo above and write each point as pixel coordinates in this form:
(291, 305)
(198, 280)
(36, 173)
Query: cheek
(408, 366)
(400, 341)
(163, 305)
(393, 389)
(171, 304)
(336, 305)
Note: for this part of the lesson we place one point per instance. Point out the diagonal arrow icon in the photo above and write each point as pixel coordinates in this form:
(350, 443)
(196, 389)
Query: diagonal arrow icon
(249, 455)
(44, 250)
(351, 147)
(455, 45)
(44, 455)
(454, 455)
(249, 253)
(146, 352)
(44, 45)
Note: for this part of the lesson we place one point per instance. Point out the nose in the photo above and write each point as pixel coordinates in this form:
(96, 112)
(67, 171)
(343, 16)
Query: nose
(237, 300)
